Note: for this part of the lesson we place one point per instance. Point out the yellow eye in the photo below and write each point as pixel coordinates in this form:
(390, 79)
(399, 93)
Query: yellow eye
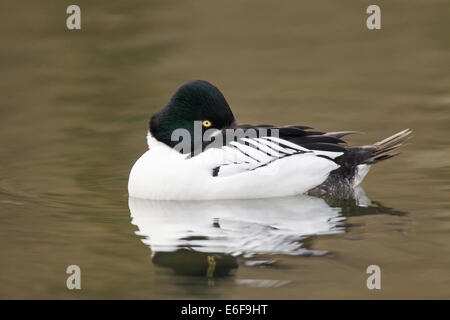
(206, 123)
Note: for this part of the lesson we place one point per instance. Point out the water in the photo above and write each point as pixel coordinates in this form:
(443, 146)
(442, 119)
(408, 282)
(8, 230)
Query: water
(74, 111)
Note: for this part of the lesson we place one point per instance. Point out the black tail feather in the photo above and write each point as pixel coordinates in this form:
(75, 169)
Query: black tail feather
(389, 147)
(343, 177)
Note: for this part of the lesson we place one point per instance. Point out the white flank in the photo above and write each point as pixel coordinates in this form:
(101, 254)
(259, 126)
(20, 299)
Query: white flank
(361, 171)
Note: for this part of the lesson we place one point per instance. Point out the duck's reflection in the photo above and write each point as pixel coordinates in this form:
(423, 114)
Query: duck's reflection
(193, 263)
(206, 237)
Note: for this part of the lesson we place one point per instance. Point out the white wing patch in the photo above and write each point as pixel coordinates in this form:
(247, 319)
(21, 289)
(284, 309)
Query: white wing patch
(329, 154)
(252, 153)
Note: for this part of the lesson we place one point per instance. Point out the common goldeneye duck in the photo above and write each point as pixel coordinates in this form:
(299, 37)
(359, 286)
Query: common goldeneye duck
(198, 151)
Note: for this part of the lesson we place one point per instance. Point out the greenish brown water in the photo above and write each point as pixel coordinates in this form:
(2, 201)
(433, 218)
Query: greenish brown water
(74, 111)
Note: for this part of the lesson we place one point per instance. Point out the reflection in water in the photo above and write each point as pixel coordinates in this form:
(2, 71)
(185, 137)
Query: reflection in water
(206, 237)
(358, 204)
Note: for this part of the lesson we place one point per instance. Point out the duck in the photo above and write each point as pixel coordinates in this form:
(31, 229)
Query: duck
(198, 151)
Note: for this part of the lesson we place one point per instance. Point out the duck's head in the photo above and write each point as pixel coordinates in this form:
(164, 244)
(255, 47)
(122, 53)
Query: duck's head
(195, 101)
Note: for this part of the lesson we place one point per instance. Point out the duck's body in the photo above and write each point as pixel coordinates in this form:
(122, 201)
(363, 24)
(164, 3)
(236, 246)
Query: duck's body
(276, 162)
(165, 174)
